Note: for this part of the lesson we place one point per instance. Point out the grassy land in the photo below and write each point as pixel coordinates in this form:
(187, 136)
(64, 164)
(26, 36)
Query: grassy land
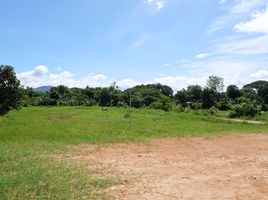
(28, 136)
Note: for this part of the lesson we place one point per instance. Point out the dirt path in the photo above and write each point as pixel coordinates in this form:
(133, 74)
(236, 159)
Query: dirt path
(243, 121)
(227, 167)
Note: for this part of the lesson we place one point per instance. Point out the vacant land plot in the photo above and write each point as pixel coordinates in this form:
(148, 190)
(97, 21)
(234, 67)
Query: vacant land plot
(229, 167)
(50, 153)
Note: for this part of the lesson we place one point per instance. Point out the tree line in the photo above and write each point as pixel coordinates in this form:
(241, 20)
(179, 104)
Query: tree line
(248, 101)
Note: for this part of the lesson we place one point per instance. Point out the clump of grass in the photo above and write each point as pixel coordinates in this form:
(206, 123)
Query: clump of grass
(104, 182)
(127, 115)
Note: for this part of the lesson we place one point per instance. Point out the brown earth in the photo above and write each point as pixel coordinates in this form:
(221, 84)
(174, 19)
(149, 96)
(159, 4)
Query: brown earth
(222, 167)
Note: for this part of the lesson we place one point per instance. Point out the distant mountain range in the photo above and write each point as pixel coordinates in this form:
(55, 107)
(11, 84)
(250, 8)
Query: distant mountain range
(42, 89)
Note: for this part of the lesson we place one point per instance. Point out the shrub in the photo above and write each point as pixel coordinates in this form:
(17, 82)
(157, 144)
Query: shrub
(196, 105)
(47, 101)
(223, 104)
(156, 105)
(90, 102)
(244, 109)
(127, 115)
(188, 110)
(178, 108)
(121, 104)
(164, 103)
(213, 110)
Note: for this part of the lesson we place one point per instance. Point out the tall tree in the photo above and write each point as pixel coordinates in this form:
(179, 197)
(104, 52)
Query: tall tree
(215, 83)
(233, 92)
(208, 98)
(10, 90)
(194, 93)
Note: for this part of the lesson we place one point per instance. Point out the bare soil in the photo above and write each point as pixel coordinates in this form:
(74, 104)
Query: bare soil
(202, 168)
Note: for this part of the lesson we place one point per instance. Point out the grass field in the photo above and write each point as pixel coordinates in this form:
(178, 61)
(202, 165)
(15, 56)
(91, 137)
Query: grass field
(29, 136)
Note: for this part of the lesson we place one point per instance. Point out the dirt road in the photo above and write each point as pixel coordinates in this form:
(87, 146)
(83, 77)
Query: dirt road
(226, 167)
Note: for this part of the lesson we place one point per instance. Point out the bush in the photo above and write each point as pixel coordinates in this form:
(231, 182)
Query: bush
(223, 104)
(197, 105)
(244, 109)
(121, 104)
(188, 110)
(156, 105)
(90, 102)
(164, 103)
(178, 108)
(213, 110)
(47, 101)
(127, 115)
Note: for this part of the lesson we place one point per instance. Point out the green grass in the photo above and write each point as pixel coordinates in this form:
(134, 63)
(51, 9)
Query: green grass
(29, 135)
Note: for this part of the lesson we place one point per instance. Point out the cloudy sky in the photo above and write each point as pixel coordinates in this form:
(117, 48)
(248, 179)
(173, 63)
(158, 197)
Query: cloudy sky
(174, 42)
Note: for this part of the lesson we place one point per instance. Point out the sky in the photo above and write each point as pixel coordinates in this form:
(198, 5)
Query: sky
(172, 42)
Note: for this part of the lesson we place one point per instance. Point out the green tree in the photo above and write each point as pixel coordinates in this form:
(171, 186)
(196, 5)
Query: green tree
(10, 90)
(257, 92)
(163, 103)
(215, 83)
(194, 93)
(208, 98)
(104, 97)
(181, 97)
(164, 89)
(233, 92)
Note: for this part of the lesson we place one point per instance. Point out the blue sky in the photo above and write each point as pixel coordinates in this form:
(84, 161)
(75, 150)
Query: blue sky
(174, 42)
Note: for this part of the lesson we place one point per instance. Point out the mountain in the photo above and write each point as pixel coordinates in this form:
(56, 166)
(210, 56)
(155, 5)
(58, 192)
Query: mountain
(43, 89)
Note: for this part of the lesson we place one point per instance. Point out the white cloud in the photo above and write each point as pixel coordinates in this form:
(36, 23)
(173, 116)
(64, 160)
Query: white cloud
(221, 22)
(222, 1)
(260, 74)
(40, 76)
(127, 83)
(167, 64)
(253, 46)
(247, 37)
(237, 11)
(40, 70)
(179, 82)
(245, 6)
(183, 61)
(177, 62)
(202, 55)
(158, 4)
(258, 23)
(98, 77)
(234, 71)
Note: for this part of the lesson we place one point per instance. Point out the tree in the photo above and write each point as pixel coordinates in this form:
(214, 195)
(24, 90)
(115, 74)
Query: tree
(194, 93)
(233, 92)
(215, 83)
(165, 90)
(62, 91)
(181, 97)
(104, 97)
(163, 103)
(208, 98)
(257, 91)
(10, 90)
(113, 89)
